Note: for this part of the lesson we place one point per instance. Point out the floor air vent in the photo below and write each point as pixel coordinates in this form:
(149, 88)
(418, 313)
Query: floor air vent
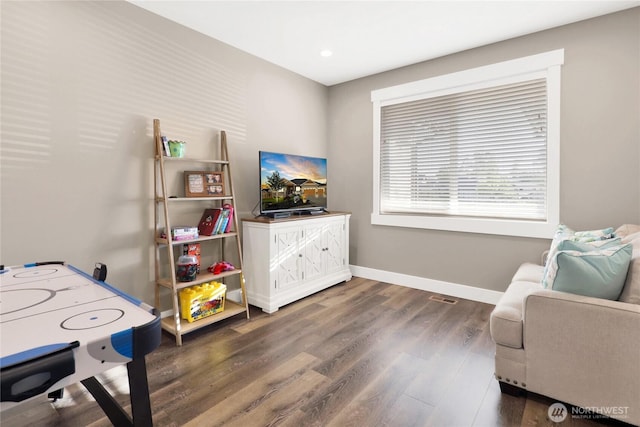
(442, 299)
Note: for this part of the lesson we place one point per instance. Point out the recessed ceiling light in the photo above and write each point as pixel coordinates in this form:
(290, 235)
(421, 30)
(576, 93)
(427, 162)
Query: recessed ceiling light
(326, 53)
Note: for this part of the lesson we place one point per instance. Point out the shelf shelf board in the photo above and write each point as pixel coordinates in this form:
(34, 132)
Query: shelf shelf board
(230, 309)
(193, 160)
(200, 278)
(163, 241)
(160, 199)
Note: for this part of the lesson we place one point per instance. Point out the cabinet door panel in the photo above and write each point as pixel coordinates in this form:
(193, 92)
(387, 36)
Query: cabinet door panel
(313, 252)
(286, 253)
(334, 244)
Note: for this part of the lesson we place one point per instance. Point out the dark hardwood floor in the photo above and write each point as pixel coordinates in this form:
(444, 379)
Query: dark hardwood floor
(362, 353)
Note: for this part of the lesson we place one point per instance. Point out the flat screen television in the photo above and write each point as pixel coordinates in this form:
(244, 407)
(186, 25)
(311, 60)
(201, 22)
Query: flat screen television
(292, 184)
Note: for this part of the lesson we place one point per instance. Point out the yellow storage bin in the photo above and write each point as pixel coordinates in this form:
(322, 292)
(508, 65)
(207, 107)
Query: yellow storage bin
(203, 300)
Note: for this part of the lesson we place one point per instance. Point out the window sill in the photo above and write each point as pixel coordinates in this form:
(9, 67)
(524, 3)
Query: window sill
(503, 227)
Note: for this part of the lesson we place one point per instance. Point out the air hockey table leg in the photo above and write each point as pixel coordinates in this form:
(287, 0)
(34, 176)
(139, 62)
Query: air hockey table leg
(139, 396)
(116, 414)
(139, 392)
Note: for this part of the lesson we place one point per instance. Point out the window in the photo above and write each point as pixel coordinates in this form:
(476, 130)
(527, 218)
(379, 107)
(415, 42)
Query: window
(474, 151)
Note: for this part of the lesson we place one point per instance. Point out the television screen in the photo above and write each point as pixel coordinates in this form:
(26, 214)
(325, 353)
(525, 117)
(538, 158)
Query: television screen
(292, 183)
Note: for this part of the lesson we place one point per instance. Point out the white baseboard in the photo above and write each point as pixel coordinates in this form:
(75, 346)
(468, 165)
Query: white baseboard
(446, 288)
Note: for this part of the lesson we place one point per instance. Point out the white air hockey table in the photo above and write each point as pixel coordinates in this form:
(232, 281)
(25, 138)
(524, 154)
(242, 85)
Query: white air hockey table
(60, 326)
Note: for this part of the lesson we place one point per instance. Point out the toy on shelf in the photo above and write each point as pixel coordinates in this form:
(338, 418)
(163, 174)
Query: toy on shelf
(220, 267)
(203, 300)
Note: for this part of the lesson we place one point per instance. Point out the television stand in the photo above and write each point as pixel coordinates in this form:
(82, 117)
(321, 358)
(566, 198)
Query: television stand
(285, 261)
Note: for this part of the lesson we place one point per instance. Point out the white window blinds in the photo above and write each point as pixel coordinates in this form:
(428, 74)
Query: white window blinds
(479, 153)
(476, 150)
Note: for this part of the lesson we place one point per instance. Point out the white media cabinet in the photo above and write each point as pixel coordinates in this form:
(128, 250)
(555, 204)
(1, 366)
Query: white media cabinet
(288, 259)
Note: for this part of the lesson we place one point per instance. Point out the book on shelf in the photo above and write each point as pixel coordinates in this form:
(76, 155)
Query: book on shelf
(165, 146)
(230, 220)
(216, 220)
(223, 220)
(208, 221)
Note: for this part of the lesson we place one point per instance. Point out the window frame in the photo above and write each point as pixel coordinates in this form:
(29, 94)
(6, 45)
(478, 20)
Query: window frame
(546, 65)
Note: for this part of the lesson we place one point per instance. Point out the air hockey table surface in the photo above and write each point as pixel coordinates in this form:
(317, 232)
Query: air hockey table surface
(59, 326)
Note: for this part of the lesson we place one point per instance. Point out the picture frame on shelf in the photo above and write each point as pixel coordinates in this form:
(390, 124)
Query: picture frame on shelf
(203, 183)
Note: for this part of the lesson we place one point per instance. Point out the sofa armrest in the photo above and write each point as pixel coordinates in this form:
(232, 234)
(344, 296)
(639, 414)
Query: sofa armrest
(589, 303)
(584, 351)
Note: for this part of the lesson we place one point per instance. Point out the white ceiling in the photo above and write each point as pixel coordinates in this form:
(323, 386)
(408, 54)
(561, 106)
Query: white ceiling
(369, 37)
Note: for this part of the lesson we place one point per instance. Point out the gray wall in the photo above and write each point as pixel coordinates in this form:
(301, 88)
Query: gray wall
(81, 84)
(600, 153)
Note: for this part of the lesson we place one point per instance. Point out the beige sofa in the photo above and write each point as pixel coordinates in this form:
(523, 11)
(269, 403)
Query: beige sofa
(578, 350)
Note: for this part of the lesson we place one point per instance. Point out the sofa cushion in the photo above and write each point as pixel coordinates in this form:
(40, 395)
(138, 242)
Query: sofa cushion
(599, 273)
(506, 319)
(631, 291)
(626, 230)
(528, 272)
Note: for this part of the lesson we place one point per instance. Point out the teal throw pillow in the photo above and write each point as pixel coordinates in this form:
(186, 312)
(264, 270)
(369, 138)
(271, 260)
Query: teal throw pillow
(572, 245)
(598, 273)
(566, 234)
